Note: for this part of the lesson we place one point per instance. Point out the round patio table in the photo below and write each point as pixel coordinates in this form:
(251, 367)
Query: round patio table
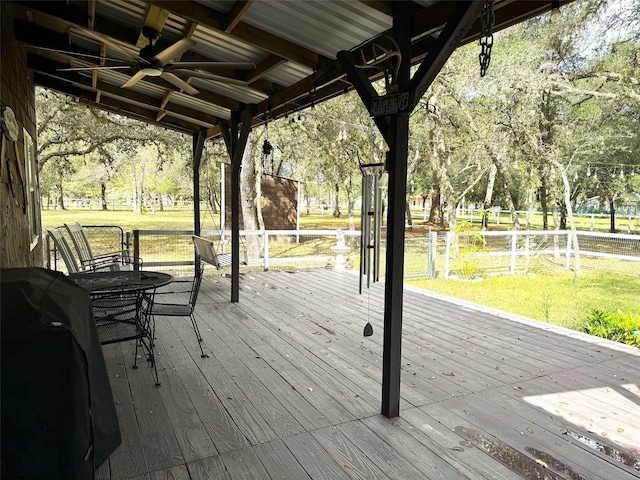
(120, 280)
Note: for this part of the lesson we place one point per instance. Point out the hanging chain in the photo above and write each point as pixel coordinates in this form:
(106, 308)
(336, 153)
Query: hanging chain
(486, 36)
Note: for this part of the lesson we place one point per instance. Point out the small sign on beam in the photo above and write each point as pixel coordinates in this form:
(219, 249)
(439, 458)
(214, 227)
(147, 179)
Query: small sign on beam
(389, 104)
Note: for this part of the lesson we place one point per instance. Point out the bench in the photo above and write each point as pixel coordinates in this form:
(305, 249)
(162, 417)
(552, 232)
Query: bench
(207, 252)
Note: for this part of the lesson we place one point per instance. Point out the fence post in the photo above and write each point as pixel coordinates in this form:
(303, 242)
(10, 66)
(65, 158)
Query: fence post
(266, 251)
(514, 241)
(567, 261)
(431, 258)
(446, 254)
(592, 223)
(136, 249)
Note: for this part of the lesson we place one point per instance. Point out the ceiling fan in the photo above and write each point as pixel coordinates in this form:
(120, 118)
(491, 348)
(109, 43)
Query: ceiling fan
(158, 63)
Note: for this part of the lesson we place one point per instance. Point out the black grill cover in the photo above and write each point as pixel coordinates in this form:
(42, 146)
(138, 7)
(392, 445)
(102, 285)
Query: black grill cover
(57, 410)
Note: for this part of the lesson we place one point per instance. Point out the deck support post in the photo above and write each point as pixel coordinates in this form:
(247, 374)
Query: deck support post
(397, 170)
(394, 129)
(236, 141)
(198, 147)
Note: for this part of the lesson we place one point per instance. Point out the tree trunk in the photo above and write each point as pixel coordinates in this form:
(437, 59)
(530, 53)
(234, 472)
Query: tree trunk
(612, 216)
(567, 200)
(512, 212)
(530, 206)
(103, 195)
(543, 201)
(563, 215)
(434, 211)
(249, 199)
(60, 201)
(488, 196)
(136, 186)
(350, 204)
(259, 172)
(336, 205)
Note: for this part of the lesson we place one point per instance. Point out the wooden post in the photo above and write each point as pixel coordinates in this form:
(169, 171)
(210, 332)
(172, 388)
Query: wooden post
(236, 140)
(397, 168)
(198, 147)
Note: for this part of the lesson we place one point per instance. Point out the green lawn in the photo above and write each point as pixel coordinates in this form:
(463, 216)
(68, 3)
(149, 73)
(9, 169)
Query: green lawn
(557, 296)
(561, 298)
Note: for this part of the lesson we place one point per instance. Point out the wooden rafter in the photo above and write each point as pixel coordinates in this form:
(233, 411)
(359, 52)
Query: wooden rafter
(236, 13)
(249, 34)
(156, 18)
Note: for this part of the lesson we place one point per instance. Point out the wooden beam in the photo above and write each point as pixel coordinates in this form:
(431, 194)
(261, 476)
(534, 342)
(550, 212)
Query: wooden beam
(156, 18)
(269, 42)
(236, 13)
(394, 276)
(362, 84)
(46, 67)
(236, 142)
(465, 14)
(91, 12)
(84, 94)
(264, 67)
(197, 148)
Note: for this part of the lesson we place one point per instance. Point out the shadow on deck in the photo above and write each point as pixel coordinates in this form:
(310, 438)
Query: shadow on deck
(292, 390)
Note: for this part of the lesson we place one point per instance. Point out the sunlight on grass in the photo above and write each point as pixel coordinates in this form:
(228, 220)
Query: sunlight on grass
(563, 298)
(547, 292)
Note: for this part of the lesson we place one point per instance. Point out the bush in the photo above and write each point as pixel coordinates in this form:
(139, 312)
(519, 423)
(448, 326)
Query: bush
(620, 327)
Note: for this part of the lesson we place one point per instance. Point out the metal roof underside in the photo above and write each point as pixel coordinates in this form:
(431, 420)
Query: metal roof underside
(293, 45)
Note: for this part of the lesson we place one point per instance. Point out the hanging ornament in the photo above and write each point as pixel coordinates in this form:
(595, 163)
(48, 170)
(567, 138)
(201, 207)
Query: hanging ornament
(368, 330)
(267, 151)
(267, 148)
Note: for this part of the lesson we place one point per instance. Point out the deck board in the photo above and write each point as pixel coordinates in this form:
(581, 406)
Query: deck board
(291, 389)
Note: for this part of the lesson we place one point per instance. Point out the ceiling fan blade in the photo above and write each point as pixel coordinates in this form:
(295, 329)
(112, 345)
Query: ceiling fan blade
(178, 82)
(97, 67)
(76, 54)
(174, 50)
(134, 79)
(110, 43)
(209, 76)
(215, 65)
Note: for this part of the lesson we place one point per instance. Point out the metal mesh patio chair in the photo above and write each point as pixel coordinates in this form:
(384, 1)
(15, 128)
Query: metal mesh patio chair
(89, 261)
(165, 309)
(64, 249)
(122, 315)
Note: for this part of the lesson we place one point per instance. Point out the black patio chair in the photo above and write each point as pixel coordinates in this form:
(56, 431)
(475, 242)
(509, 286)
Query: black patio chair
(167, 309)
(122, 315)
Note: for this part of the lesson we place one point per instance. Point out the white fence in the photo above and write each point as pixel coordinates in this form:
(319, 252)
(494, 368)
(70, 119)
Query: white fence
(518, 251)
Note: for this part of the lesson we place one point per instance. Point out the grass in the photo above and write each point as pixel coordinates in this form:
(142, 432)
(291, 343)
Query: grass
(552, 295)
(563, 298)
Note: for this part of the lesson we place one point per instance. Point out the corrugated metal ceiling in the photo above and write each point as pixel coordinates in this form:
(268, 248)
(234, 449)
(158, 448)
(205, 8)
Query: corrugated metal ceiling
(294, 45)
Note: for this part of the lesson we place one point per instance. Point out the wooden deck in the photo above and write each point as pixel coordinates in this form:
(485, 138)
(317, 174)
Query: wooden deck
(292, 391)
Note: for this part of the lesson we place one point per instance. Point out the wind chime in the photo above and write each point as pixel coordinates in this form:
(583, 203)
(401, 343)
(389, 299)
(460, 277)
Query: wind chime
(267, 152)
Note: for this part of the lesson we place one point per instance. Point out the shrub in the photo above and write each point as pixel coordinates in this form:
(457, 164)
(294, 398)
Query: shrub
(620, 327)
